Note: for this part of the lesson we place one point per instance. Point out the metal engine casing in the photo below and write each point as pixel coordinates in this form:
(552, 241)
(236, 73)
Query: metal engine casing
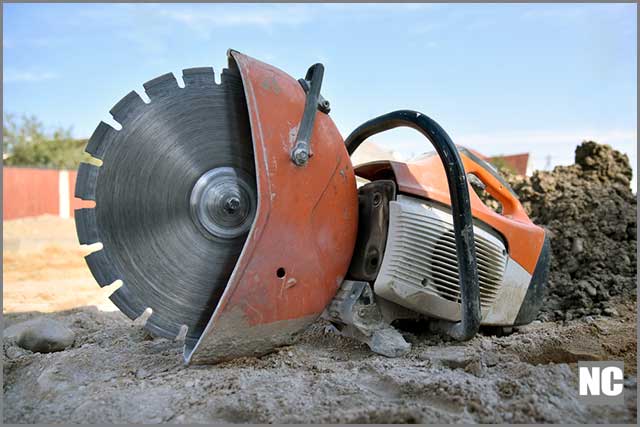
(419, 269)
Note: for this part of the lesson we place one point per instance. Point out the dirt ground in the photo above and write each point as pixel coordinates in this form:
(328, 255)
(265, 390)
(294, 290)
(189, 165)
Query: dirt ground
(43, 268)
(115, 372)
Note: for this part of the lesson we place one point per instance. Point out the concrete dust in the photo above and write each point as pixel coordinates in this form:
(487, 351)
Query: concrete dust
(115, 372)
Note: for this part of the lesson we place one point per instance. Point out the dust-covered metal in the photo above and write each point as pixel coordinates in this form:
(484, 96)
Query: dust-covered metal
(175, 198)
(419, 268)
(355, 314)
(223, 202)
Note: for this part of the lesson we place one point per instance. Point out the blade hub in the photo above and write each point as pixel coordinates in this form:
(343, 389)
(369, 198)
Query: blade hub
(222, 203)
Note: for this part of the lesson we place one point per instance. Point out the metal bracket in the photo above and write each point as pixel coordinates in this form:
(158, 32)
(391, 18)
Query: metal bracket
(323, 104)
(373, 224)
(355, 314)
(311, 84)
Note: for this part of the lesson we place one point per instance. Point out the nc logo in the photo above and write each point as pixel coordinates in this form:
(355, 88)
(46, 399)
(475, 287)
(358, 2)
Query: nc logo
(601, 383)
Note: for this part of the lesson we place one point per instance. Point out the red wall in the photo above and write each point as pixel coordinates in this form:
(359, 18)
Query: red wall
(29, 192)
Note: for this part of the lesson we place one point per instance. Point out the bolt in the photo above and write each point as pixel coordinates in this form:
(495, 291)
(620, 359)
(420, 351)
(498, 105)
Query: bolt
(362, 312)
(300, 156)
(377, 199)
(231, 205)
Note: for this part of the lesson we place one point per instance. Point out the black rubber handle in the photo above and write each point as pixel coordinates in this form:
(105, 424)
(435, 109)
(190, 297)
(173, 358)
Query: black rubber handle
(460, 206)
(301, 151)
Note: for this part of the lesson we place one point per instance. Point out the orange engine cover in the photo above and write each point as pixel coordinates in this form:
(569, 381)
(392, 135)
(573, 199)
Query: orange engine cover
(303, 236)
(426, 178)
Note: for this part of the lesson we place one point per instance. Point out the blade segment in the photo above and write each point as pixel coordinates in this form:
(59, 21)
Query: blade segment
(161, 86)
(86, 181)
(86, 226)
(100, 140)
(102, 268)
(128, 108)
(199, 77)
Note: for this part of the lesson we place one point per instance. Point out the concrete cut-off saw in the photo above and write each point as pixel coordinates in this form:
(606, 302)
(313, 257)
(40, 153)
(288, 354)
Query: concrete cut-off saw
(229, 216)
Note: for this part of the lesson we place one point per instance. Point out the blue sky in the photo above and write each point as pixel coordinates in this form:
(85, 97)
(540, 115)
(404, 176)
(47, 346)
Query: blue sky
(499, 78)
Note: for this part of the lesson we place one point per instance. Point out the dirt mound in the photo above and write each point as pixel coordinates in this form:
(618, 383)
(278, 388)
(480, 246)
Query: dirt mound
(589, 211)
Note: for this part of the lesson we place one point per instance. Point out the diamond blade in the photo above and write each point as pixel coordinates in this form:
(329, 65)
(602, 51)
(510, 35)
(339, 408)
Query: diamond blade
(144, 214)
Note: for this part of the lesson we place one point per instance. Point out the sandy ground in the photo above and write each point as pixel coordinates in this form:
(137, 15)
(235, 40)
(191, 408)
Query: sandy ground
(115, 372)
(44, 270)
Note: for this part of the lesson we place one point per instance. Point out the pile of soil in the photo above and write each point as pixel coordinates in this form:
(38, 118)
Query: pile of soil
(589, 212)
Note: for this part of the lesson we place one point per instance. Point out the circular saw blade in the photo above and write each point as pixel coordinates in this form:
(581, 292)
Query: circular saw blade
(142, 192)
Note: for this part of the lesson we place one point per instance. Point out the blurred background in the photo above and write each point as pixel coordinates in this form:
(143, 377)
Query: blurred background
(522, 85)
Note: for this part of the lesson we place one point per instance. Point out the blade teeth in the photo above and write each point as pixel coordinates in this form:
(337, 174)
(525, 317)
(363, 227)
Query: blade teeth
(159, 328)
(100, 140)
(86, 181)
(199, 76)
(101, 268)
(161, 86)
(128, 108)
(128, 303)
(86, 226)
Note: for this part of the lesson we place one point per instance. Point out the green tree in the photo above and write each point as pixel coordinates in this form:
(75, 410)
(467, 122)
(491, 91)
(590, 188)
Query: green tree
(26, 143)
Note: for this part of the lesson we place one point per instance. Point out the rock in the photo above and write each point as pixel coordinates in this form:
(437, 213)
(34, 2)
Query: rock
(15, 352)
(591, 290)
(578, 245)
(491, 359)
(389, 342)
(40, 335)
(141, 373)
(452, 357)
(610, 312)
(475, 367)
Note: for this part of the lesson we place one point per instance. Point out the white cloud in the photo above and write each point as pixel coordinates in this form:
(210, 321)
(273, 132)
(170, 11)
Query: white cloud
(150, 26)
(15, 76)
(205, 20)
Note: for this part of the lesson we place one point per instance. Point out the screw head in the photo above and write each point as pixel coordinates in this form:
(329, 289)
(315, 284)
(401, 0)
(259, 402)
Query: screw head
(300, 156)
(231, 205)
